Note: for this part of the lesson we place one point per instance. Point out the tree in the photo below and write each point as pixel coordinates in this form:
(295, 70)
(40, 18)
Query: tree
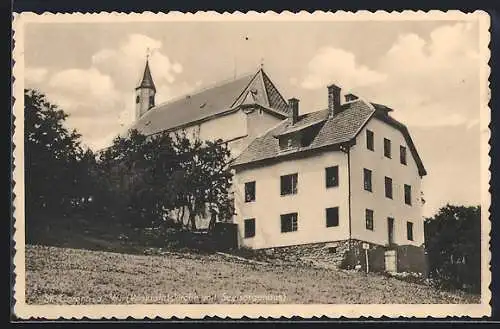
(147, 178)
(206, 179)
(53, 157)
(453, 244)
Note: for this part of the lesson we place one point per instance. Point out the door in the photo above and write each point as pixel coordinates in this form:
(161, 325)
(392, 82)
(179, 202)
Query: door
(390, 230)
(390, 261)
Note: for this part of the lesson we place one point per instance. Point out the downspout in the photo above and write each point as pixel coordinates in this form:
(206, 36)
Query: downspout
(346, 148)
(349, 192)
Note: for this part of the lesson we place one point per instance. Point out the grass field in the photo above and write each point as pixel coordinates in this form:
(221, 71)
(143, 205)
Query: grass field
(74, 276)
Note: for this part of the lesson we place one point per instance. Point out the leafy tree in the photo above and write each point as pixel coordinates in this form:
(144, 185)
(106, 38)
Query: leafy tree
(147, 179)
(53, 155)
(453, 244)
(206, 179)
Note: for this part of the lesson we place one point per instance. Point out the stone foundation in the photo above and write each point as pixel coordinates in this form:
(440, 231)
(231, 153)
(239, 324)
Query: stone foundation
(324, 254)
(349, 254)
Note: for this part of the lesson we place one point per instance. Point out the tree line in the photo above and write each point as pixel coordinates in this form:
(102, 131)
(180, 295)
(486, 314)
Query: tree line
(140, 181)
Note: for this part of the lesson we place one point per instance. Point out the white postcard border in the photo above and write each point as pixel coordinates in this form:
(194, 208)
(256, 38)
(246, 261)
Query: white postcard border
(25, 311)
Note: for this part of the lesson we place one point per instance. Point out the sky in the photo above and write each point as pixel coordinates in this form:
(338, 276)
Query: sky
(427, 71)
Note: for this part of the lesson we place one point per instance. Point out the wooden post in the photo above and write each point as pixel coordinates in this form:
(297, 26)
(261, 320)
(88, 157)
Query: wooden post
(366, 257)
(366, 246)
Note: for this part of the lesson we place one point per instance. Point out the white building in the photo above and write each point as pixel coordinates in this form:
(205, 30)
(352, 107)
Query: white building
(235, 110)
(321, 185)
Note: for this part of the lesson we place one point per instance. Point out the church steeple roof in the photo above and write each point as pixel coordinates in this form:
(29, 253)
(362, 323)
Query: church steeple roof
(147, 79)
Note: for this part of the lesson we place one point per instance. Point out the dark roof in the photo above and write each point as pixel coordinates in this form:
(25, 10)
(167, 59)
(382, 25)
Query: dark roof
(251, 89)
(147, 79)
(336, 130)
(382, 108)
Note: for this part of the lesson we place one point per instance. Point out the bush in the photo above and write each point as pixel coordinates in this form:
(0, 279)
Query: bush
(453, 244)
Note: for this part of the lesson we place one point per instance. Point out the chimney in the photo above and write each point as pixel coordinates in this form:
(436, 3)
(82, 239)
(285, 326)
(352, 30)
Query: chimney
(350, 97)
(293, 103)
(333, 99)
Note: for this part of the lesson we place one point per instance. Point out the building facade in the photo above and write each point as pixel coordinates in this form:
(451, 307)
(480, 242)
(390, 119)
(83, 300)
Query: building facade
(340, 179)
(327, 184)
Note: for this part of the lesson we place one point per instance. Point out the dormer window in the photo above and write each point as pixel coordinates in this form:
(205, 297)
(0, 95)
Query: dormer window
(287, 142)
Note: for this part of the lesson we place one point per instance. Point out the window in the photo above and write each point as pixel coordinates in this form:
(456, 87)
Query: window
(287, 142)
(402, 154)
(388, 187)
(289, 222)
(369, 219)
(369, 140)
(260, 111)
(367, 179)
(332, 176)
(249, 228)
(151, 101)
(409, 230)
(408, 194)
(387, 148)
(137, 99)
(332, 217)
(249, 191)
(289, 184)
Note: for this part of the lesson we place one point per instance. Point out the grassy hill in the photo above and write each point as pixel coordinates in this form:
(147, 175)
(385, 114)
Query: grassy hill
(58, 275)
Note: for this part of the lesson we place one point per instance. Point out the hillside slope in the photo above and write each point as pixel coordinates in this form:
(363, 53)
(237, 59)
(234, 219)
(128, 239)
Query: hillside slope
(72, 276)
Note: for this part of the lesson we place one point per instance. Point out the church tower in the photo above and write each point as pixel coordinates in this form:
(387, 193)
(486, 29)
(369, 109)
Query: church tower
(145, 93)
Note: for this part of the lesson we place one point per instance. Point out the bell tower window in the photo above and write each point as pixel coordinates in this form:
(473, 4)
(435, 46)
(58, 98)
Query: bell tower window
(151, 101)
(137, 99)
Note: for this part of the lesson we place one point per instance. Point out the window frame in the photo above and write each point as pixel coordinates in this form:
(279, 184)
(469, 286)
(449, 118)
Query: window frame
(335, 170)
(409, 231)
(407, 194)
(246, 234)
(367, 184)
(403, 155)
(254, 191)
(328, 218)
(387, 148)
(294, 184)
(294, 222)
(369, 219)
(370, 140)
(387, 180)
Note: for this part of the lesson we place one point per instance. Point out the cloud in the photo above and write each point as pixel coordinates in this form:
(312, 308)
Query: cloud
(432, 80)
(100, 99)
(35, 75)
(127, 61)
(82, 87)
(332, 65)
(94, 104)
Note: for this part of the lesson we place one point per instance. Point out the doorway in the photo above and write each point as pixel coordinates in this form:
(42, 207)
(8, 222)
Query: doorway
(390, 230)
(390, 261)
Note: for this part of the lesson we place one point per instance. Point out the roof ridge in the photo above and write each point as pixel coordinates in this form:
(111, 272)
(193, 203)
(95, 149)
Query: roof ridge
(265, 76)
(216, 84)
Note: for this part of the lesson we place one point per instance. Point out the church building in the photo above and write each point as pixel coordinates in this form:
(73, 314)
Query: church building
(340, 185)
